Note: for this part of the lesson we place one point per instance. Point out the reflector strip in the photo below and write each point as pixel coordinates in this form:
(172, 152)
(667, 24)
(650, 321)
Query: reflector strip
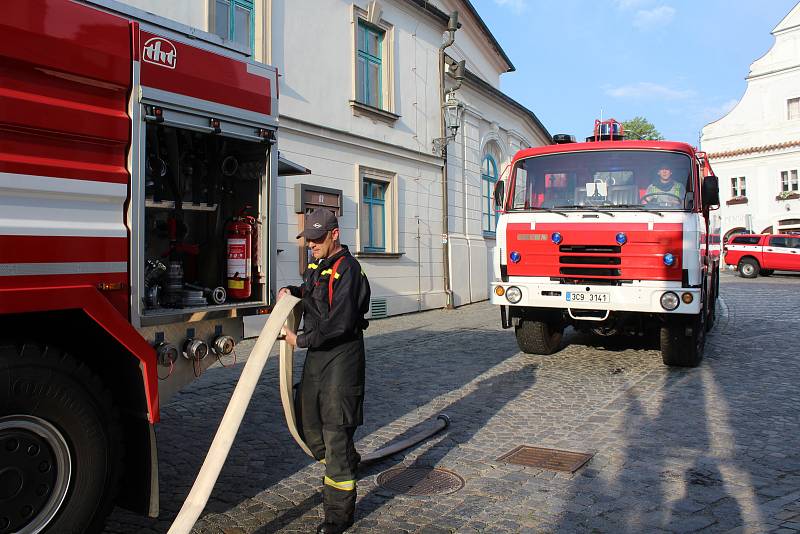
(42, 269)
(347, 485)
(49, 206)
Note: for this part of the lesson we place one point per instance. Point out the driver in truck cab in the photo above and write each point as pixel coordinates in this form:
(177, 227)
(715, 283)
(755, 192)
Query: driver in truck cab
(664, 189)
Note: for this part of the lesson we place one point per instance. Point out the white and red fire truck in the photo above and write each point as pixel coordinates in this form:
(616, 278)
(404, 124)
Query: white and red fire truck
(610, 236)
(137, 193)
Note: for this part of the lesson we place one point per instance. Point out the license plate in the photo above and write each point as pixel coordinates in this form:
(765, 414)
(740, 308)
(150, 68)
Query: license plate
(582, 296)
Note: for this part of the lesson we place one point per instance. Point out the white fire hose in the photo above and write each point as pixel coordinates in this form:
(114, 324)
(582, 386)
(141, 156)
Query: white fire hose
(286, 313)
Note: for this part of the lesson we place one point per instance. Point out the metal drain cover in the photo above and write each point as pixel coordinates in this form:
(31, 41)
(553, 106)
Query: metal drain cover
(552, 459)
(419, 481)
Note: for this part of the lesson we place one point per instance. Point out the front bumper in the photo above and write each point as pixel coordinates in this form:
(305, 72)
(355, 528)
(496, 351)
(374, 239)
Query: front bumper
(641, 297)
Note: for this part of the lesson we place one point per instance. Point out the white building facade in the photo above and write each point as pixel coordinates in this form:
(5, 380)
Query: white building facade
(755, 148)
(494, 128)
(360, 106)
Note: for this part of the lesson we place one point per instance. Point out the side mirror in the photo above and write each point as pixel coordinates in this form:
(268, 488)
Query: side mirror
(710, 191)
(499, 194)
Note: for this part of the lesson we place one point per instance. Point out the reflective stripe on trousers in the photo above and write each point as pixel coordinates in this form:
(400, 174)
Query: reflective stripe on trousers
(345, 485)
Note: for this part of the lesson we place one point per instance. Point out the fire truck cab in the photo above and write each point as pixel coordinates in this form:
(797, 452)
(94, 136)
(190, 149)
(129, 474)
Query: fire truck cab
(609, 236)
(138, 175)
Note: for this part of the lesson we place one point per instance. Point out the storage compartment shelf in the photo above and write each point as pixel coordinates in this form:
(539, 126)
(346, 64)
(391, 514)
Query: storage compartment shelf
(201, 313)
(170, 205)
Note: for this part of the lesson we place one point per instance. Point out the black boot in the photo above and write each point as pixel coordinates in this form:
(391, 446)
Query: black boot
(328, 528)
(340, 508)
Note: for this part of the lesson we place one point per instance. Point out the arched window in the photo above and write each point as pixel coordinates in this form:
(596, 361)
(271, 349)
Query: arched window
(488, 181)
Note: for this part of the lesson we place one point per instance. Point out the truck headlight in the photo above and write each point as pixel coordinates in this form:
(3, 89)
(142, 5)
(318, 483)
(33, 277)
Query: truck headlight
(669, 301)
(513, 294)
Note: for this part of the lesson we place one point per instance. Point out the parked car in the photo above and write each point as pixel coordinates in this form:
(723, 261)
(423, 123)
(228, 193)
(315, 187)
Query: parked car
(754, 254)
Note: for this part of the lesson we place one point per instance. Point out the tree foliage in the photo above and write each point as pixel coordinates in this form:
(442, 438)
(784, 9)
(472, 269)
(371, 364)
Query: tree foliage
(641, 129)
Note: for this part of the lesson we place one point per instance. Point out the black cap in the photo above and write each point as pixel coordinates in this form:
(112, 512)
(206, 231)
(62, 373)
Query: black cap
(318, 223)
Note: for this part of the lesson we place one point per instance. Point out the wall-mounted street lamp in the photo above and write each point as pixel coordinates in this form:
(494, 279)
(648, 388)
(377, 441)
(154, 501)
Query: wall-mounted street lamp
(452, 110)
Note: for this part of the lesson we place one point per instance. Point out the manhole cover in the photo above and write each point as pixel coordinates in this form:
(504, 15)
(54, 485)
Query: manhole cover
(552, 459)
(418, 481)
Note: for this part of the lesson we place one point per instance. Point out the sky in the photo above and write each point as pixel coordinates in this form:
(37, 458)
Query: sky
(679, 63)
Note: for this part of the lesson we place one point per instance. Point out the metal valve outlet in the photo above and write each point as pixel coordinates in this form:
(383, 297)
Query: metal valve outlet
(223, 345)
(166, 353)
(195, 349)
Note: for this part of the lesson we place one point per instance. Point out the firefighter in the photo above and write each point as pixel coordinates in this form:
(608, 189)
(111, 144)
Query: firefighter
(664, 189)
(335, 294)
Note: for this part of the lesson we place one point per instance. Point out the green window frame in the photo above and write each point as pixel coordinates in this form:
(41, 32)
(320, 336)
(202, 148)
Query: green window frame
(229, 18)
(373, 215)
(369, 65)
(488, 181)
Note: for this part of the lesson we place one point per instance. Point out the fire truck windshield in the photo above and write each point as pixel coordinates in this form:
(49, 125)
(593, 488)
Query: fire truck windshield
(623, 179)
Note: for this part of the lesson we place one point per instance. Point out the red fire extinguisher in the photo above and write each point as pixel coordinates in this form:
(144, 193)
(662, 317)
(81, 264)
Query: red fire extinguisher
(239, 237)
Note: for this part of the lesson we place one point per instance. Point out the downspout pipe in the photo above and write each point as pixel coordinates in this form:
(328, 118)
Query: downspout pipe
(452, 26)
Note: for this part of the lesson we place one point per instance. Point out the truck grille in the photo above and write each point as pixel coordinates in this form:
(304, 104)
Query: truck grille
(589, 271)
(591, 249)
(590, 260)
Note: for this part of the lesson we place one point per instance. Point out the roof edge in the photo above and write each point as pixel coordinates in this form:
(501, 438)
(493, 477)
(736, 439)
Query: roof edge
(431, 10)
(492, 39)
(443, 17)
(474, 79)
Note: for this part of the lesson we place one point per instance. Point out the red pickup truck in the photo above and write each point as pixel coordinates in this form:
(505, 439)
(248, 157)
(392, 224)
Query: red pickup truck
(754, 254)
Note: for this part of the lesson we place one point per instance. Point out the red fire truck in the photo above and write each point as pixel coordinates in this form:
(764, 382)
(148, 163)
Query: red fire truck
(137, 191)
(609, 236)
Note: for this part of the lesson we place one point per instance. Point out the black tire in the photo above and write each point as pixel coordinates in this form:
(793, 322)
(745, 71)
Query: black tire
(50, 402)
(766, 272)
(683, 340)
(748, 268)
(538, 337)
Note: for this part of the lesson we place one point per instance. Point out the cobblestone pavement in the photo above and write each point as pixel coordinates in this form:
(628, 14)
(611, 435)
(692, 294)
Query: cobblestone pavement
(708, 449)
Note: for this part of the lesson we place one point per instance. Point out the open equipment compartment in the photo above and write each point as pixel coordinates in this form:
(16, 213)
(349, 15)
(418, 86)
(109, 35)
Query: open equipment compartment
(203, 177)
(203, 228)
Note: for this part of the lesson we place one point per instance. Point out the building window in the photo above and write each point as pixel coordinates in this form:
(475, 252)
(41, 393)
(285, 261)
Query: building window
(789, 181)
(234, 21)
(738, 186)
(373, 216)
(369, 65)
(793, 108)
(488, 181)
(377, 212)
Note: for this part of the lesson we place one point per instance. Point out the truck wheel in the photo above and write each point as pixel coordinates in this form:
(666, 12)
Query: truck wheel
(749, 268)
(766, 272)
(60, 444)
(538, 337)
(683, 341)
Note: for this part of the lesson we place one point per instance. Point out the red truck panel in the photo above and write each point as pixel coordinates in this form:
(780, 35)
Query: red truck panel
(171, 65)
(641, 258)
(66, 76)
